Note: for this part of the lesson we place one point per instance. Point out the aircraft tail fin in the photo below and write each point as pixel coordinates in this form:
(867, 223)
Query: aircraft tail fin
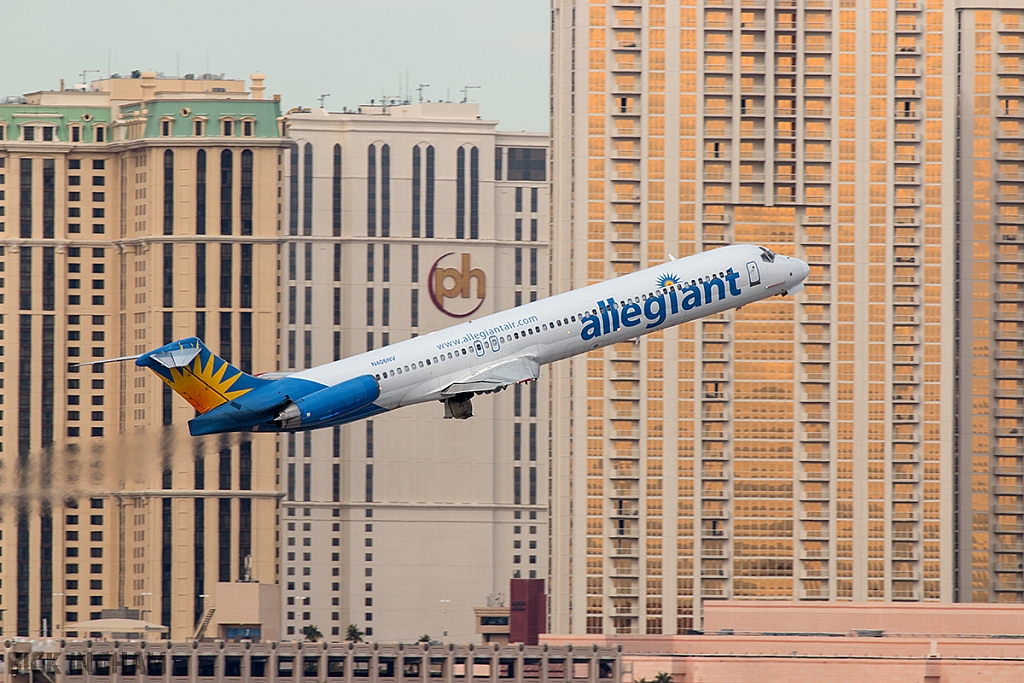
(197, 374)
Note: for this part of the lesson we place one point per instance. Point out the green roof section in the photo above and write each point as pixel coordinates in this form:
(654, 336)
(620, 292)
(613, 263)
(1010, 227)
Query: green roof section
(183, 112)
(13, 116)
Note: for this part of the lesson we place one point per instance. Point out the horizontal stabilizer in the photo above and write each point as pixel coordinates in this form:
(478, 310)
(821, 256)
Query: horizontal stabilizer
(107, 360)
(503, 374)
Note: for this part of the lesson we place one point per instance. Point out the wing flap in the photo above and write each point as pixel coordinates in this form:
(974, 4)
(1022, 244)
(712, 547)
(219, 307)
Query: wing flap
(503, 374)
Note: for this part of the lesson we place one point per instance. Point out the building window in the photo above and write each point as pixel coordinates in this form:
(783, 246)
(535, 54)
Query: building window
(460, 194)
(76, 134)
(307, 189)
(247, 128)
(201, 192)
(227, 127)
(415, 306)
(497, 163)
(28, 133)
(429, 208)
(198, 127)
(415, 263)
(245, 196)
(336, 193)
(474, 193)
(371, 190)
(168, 191)
(385, 190)
(99, 134)
(527, 164)
(416, 181)
(165, 127)
(226, 186)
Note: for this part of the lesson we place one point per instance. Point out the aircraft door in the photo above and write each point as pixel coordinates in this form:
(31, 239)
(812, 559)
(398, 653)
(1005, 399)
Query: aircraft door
(479, 345)
(753, 273)
(494, 344)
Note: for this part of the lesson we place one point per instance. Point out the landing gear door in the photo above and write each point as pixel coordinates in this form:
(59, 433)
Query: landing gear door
(753, 273)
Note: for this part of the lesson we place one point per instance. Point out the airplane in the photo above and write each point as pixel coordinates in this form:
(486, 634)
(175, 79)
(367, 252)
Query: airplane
(477, 357)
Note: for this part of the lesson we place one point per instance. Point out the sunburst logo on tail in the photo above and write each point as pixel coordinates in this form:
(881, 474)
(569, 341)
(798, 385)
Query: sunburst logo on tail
(204, 382)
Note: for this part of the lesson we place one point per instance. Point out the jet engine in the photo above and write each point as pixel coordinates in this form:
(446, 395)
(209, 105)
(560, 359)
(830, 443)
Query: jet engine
(459, 407)
(329, 406)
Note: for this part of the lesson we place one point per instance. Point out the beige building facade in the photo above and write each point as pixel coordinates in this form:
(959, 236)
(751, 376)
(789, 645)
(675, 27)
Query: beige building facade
(856, 443)
(136, 211)
(402, 219)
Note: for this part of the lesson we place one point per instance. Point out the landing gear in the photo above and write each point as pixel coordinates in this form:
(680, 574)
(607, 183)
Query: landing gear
(459, 407)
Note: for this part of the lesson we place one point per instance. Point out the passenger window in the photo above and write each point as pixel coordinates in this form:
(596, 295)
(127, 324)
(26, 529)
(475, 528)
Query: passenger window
(421, 364)
(399, 371)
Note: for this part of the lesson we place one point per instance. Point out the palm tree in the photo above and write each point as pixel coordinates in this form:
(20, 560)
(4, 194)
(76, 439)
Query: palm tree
(354, 634)
(663, 677)
(312, 633)
(425, 638)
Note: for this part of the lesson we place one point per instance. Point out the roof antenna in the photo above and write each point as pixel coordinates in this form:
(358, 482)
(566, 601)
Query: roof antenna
(323, 97)
(420, 90)
(85, 73)
(465, 92)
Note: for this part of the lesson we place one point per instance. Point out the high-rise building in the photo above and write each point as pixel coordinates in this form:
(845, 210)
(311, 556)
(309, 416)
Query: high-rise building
(863, 442)
(402, 219)
(133, 212)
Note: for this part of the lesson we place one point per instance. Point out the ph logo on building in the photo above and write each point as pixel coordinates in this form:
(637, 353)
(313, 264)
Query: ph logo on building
(457, 292)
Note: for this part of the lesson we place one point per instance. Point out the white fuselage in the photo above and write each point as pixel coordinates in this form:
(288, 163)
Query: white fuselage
(423, 368)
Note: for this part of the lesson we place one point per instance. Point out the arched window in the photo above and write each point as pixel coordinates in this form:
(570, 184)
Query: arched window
(201, 192)
(371, 190)
(226, 187)
(336, 192)
(460, 194)
(307, 189)
(245, 196)
(385, 191)
(429, 208)
(168, 192)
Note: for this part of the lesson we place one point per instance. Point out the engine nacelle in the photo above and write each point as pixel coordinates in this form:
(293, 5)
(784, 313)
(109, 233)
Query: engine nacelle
(330, 405)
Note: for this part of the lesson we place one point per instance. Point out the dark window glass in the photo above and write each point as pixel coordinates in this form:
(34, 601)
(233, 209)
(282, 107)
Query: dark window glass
(369, 263)
(533, 267)
(168, 273)
(226, 186)
(337, 263)
(415, 263)
(385, 307)
(225, 275)
(429, 208)
(307, 189)
(534, 196)
(474, 193)
(336, 193)
(245, 197)
(168, 192)
(369, 308)
(385, 191)
(245, 277)
(293, 191)
(528, 164)
(386, 263)
(415, 307)
(371, 190)
(200, 275)
(517, 486)
(497, 163)
(201, 192)
(48, 198)
(25, 204)
(416, 181)
(224, 540)
(460, 194)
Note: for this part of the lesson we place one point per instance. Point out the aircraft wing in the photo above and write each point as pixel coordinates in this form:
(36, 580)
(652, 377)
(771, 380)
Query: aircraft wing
(505, 373)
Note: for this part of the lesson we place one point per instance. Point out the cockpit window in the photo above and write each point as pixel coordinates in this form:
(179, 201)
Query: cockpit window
(767, 255)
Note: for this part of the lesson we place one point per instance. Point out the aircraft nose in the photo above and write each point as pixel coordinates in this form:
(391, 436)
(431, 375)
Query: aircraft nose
(805, 269)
